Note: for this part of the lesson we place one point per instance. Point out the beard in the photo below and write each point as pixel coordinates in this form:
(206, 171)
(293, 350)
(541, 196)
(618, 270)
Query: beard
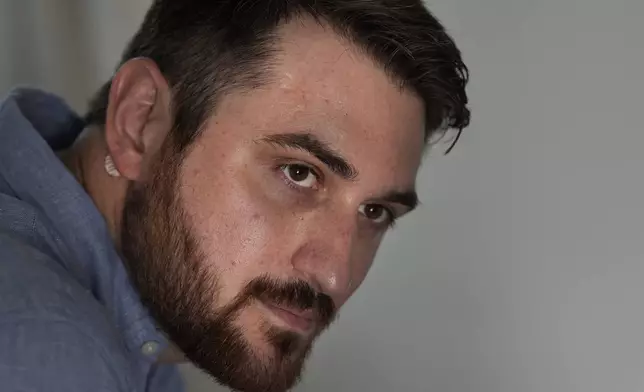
(180, 290)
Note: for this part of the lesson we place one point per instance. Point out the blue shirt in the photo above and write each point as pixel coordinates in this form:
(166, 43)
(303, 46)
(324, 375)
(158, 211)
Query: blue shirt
(70, 319)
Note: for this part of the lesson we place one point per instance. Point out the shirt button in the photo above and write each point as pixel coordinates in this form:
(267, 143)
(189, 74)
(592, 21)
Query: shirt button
(150, 348)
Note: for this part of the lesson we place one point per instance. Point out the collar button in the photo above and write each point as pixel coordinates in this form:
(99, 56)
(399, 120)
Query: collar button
(150, 348)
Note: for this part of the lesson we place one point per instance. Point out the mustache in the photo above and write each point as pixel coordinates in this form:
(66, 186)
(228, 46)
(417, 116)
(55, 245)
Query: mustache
(296, 294)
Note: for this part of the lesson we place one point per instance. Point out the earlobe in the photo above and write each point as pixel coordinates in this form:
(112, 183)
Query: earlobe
(110, 168)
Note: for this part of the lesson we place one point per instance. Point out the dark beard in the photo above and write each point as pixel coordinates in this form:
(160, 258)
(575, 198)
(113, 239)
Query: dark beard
(168, 269)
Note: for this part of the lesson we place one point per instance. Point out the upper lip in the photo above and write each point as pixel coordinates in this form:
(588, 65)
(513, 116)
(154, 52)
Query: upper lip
(307, 314)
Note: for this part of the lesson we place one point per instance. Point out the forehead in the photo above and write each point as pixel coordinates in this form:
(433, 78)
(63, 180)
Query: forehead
(322, 84)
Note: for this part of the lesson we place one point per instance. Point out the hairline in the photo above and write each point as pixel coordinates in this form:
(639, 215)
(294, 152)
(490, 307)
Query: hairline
(265, 69)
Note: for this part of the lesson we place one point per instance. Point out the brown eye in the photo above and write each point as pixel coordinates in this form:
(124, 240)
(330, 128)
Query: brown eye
(376, 213)
(300, 175)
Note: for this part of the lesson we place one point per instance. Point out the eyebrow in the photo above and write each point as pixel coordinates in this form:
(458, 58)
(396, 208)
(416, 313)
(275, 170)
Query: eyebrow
(322, 151)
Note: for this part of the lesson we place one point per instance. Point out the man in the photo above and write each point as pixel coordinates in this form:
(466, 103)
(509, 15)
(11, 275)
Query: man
(224, 196)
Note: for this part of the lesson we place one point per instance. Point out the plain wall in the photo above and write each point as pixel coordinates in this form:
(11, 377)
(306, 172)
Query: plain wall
(523, 269)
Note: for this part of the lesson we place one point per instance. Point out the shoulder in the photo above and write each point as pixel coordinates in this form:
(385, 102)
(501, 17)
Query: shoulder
(55, 336)
(56, 356)
(35, 284)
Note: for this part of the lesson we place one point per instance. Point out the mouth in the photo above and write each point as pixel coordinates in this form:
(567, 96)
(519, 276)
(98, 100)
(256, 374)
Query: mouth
(299, 320)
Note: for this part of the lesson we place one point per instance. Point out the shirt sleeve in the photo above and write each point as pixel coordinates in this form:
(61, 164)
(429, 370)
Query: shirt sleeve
(52, 356)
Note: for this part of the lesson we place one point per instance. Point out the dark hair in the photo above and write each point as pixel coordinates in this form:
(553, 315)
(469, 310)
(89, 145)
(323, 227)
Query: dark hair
(206, 48)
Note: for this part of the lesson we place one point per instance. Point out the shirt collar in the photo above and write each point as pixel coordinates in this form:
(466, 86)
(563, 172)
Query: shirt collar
(33, 124)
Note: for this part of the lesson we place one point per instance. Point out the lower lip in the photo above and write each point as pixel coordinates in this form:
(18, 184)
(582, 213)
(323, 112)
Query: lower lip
(294, 321)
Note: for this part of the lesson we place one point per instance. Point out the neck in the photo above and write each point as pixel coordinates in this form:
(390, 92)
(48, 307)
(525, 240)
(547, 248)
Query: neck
(85, 160)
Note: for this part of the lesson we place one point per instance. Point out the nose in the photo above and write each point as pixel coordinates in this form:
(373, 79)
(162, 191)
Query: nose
(324, 258)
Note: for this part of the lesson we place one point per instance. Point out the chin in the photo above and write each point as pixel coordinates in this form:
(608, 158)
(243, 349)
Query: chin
(254, 352)
(275, 338)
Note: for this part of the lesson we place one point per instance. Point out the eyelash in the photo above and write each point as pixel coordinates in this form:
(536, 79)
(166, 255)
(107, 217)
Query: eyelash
(280, 168)
(391, 223)
(392, 218)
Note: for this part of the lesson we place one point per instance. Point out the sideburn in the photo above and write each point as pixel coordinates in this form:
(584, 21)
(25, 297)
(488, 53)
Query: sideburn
(162, 256)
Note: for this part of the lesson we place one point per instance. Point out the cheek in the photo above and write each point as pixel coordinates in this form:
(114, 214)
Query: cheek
(360, 270)
(365, 256)
(235, 227)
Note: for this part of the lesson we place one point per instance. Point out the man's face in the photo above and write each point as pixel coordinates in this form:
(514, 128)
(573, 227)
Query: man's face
(245, 247)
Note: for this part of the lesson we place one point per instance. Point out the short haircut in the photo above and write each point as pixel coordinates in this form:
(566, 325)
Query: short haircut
(208, 48)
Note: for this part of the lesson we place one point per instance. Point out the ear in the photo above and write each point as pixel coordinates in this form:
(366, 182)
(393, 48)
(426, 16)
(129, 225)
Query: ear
(138, 117)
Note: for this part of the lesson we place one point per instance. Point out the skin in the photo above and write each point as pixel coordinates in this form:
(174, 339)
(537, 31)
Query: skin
(256, 203)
